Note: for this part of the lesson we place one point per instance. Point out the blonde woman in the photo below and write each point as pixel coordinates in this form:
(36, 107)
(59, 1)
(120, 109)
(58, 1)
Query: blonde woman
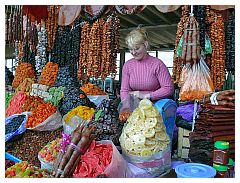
(144, 76)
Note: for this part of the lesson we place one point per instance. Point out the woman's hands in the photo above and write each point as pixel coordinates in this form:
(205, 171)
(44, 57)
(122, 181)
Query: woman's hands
(140, 95)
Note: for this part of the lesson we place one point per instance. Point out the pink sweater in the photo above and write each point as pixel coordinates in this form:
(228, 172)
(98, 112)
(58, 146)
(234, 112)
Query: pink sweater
(148, 76)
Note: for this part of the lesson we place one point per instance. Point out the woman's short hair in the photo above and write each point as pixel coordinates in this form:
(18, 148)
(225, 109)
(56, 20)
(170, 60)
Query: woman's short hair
(136, 37)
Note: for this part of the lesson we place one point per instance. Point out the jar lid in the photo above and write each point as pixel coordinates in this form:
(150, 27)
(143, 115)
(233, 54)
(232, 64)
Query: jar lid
(220, 168)
(230, 162)
(195, 170)
(221, 145)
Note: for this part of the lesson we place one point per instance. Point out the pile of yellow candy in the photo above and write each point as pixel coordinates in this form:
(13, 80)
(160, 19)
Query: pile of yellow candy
(82, 111)
(144, 134)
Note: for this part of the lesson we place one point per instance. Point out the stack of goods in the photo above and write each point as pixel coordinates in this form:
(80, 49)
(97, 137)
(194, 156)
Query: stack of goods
(65, 78)
(31, 103)
(40, 90)
(71, 100)
(8, 76)
(49, 153)
(15, 104)
(92, 89)
(40, 114)
(26, 85)
(30, 144)
(25, 170)
(41, 58)
(24, 70)
(214, 123)
(221, 161)
(55, 95)
(108, 126)
(49, 74)
(145, 133)
(94, 161)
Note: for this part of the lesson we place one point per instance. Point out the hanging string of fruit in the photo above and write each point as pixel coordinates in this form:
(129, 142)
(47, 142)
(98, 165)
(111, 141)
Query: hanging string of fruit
(115, 36)
(177, 61)
(13, 24)
(218, 52)
(41, 57)
(94, 56)
(106, 49)
(51, 25)
(230, 43)
(82, 66)
(191, 39)
(199, 12)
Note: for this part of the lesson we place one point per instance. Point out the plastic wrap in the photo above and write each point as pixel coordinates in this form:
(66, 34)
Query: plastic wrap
(21, 128)
(53, 122)
(154, 166)
(198, 82)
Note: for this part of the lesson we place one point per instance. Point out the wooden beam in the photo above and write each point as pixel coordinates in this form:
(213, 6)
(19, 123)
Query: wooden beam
(153, 10)
(150, 27)
(128, 20)
(145, 18)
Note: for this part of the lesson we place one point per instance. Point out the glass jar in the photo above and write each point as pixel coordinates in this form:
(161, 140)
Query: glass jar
(231, 168)
(222, 171)
(221, 152)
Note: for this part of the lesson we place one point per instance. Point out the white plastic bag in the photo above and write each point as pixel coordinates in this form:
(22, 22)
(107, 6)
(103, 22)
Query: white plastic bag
(20, 129)
(118, 166)
(154, 166)
(53, 122)
(45, 165)
(97, 99)
(72, 124)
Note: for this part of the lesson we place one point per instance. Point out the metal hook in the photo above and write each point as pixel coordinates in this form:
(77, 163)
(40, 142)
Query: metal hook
(191, 13)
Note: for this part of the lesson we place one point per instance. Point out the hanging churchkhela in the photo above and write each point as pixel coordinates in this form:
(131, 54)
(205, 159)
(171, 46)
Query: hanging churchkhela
(51, 25)
(82, 66)
(98, 49)
(218, 52)
(177, 61)
(230, 43)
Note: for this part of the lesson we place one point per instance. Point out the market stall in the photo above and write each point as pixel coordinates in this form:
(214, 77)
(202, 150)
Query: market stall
(60, 122)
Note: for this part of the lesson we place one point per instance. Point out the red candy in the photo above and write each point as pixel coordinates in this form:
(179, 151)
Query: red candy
(94, 161)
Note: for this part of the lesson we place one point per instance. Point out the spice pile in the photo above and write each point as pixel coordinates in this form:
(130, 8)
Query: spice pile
(65, 78)
(30, 144)
(49, 74)
(31, 103)
(24, 70)
(42, 112)
(82, 111)
(92, 89)
(72, 100)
